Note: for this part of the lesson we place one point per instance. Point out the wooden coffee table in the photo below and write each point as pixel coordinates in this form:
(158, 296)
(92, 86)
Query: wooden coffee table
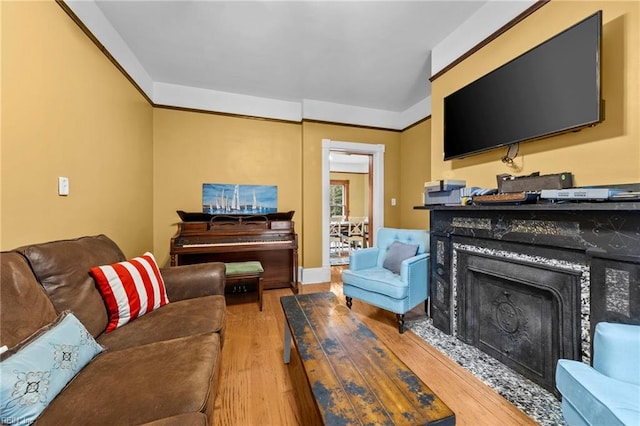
(354, 377)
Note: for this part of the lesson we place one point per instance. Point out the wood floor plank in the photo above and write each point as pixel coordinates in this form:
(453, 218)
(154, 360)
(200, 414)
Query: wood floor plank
(255, 387)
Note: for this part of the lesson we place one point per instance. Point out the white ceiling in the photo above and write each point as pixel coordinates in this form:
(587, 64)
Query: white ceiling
(348, 163)
(371, 55)
(362, 53)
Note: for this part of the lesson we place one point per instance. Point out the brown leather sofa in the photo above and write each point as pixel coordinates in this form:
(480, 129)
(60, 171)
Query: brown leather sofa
(159, 369)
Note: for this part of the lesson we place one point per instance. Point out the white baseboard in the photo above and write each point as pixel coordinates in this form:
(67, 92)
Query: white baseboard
(315, 275)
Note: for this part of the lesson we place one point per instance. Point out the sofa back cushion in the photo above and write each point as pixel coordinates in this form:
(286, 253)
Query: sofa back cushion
(62, 267)
(24, 306)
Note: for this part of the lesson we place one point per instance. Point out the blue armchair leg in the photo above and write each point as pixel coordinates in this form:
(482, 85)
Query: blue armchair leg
(349, 302)
(400, 318)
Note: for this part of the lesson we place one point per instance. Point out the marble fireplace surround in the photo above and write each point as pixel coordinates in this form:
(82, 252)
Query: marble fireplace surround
(596, 244)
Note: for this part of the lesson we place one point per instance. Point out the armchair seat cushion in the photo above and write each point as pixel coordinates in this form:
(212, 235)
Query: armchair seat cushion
(377, 280)
(591, 395)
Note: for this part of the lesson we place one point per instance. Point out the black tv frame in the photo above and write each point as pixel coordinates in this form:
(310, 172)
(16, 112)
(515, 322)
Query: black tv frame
(522, 109)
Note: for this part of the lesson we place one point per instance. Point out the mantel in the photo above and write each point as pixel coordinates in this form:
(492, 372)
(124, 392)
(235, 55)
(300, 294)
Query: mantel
(564, 206)
(589, 251)
(605, 228)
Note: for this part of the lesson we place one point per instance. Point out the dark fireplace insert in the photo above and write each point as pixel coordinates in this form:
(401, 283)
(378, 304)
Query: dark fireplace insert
(526, 315)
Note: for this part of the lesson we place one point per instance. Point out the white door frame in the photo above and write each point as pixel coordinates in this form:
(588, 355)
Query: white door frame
(377, 151)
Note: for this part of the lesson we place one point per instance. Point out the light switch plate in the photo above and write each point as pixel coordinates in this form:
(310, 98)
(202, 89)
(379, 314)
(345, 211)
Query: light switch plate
(63, 185)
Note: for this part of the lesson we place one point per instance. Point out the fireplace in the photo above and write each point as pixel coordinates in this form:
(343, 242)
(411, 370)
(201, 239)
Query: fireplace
(527, 284)
(523, 313)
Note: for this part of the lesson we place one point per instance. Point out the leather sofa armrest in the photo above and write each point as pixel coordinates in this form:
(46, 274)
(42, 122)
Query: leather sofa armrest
(191, 281)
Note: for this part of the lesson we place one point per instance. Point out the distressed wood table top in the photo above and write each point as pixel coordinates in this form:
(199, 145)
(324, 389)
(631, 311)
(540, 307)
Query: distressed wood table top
(354, 377)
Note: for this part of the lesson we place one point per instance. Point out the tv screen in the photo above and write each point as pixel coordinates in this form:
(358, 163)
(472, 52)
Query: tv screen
(552, 88)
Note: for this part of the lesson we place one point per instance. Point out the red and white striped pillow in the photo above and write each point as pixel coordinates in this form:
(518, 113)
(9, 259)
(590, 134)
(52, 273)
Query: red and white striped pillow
(130, 289)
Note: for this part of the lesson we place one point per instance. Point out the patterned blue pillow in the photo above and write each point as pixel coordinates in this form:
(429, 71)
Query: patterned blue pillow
(37, 369)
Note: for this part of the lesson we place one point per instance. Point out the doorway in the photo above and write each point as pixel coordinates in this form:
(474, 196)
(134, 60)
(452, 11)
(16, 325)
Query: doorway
(374, 170)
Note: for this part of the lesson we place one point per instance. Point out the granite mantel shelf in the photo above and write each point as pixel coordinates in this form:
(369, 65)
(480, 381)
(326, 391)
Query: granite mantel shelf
(566, 206)
(603, 228)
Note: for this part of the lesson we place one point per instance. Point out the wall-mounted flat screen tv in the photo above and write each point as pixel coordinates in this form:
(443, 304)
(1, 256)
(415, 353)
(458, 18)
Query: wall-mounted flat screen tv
(550, 89)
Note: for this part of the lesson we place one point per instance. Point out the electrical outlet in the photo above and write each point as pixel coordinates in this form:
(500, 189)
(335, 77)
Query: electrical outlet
(63, 185)
(393, 201)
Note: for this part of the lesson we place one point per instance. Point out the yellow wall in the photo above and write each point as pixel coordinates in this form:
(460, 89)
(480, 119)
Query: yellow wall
(312, 135)
(358, 192)
(608, 153)
(415, 157)
(67, 111)
(193, 148)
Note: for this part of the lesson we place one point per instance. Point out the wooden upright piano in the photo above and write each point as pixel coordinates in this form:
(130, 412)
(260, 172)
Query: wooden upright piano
(270, 239)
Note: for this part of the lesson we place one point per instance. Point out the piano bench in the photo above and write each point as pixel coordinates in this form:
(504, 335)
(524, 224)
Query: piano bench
(241, 271)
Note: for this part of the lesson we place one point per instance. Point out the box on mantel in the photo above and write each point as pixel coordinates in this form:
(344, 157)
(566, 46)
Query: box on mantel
(439, 192)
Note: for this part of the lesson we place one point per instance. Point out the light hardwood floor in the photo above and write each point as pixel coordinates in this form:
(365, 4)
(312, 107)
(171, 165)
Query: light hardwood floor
(256, 388)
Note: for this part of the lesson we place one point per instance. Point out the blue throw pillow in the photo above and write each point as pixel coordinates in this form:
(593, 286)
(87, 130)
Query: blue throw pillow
(396, 253)
(33, 372)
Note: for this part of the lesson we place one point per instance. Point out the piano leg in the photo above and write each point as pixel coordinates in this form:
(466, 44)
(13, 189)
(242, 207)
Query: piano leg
(294, 284)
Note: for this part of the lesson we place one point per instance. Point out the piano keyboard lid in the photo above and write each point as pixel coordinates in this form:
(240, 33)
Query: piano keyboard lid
(207, 217)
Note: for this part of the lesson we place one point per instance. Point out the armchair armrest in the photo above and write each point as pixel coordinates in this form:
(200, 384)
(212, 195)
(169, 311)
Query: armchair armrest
(415, 273)
(191, 281)
(616, 351)
(414, 268)
(364, 259)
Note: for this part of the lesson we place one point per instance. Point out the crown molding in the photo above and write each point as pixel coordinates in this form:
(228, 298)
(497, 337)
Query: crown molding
(349, 114)
(93, 22)
(87, 15)
(490, 21)
(225, 102)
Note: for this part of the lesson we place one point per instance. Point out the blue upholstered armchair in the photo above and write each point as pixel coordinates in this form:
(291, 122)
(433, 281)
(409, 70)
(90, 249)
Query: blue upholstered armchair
(609, 392)
(393, 275)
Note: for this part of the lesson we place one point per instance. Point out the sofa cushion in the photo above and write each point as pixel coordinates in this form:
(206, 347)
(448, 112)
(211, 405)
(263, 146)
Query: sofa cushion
(377, 280)
(141, 384)
(37, 369)
(176, 319)
(397, 253)
(24, 306)
(62, 267)
(130, 289)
